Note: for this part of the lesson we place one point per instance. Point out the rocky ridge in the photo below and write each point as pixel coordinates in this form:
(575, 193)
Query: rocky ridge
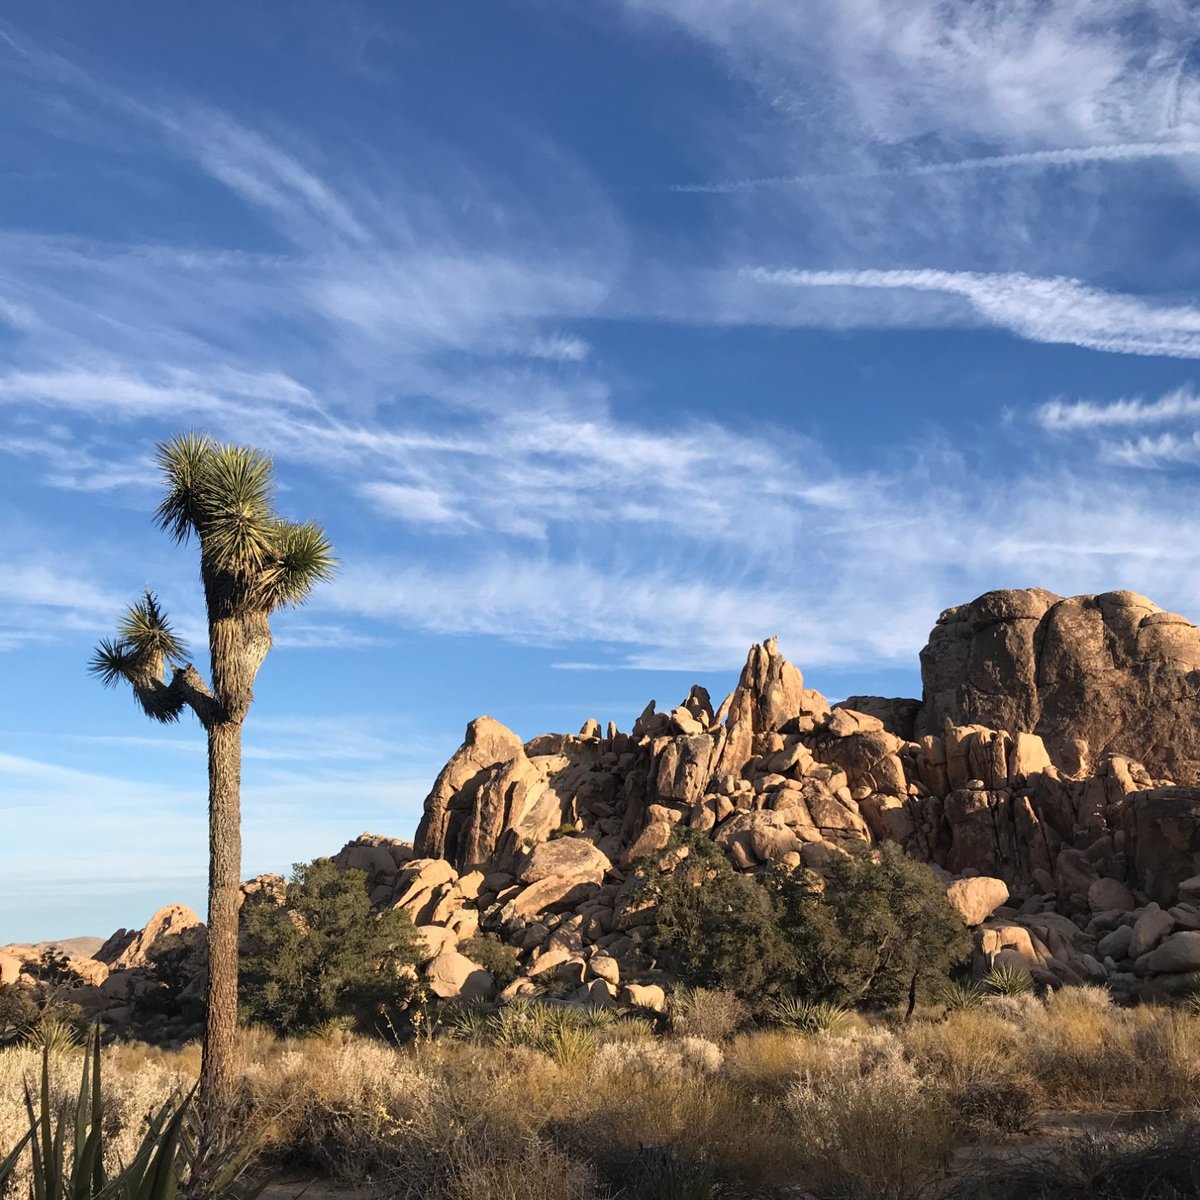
(1032, 776)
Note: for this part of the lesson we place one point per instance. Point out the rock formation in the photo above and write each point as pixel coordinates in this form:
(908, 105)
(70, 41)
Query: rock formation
(1046, 776)
(1113, 671)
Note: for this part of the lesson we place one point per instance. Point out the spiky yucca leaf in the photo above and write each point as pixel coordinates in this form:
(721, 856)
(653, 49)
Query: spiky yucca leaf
(182, 462)
(149, 633)
(302, 558)
(1006, 980)
(67, 1149)
(960, 997)
(236, 520)
(113, 661)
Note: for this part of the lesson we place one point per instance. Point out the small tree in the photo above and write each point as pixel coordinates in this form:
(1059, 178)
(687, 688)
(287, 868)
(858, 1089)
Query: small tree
(322, 954)
(252, 562)
(876, 931)
(716, 928)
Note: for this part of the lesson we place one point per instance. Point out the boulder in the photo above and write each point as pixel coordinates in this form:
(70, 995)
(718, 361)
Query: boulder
(1111, 670)
(643, 995)
(1179, 952)
(1162, 839)
(977, 898)
(770, 694)
(605, 967)
(435, 939)
(554, 893)
(486, 744)
(1149, 929)
(1110, 895)
(127, 949)
(1116, 944)
(453, 976)
(566, 857)
(10, 969)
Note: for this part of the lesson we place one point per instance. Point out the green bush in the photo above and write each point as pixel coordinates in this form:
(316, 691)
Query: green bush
(321, 953)
(716, 928)
(876, 932)
(18, 1013)
(501, 961)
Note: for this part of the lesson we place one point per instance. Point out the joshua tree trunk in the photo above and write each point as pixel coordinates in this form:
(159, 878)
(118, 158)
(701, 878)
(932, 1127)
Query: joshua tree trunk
(219, 1070)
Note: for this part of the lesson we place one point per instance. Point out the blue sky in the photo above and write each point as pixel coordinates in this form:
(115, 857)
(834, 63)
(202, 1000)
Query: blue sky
(604, 339)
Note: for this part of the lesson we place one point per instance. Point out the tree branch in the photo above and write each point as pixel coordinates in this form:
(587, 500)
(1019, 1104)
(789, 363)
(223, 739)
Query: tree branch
(165, 701)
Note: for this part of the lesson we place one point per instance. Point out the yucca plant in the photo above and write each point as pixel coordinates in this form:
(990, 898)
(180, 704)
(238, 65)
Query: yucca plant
(67, 1148)
(54, 1033)
(472, 1021)
(67, 1151)
(252, 562)
(1006, 980)
(960, 997)
(809, 1016)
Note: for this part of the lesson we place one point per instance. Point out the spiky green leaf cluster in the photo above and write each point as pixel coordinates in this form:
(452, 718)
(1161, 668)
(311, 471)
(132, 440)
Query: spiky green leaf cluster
(223, 494)
(144, 646)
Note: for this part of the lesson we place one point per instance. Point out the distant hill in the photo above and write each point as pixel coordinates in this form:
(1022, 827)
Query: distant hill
(74, 947)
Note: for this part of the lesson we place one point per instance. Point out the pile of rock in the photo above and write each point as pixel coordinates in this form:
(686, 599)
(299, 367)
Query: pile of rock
(1029, 776)
(1048, 856)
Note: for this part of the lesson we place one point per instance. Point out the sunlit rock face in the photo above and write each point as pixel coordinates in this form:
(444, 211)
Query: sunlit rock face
(1092, 675)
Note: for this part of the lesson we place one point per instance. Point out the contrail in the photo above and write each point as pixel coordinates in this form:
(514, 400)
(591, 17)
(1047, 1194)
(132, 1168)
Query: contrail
(1074, 156)
(1040, 309)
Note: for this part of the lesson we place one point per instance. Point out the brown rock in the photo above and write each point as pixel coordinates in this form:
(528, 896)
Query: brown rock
(1179, 952)
(126, 950)
(487, 743)
(566, 857)
(10, 969)
(1109, 895)
(1162, 837)
(643, 995)
(770, 693)
(1113, 670)
(1149, 929)
(453, 976)
(977, 898)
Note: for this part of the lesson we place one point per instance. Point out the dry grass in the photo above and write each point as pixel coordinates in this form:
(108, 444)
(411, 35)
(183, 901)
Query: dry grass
(875, 1111)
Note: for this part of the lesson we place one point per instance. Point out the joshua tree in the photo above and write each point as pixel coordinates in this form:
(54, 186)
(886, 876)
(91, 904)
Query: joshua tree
(251, 563)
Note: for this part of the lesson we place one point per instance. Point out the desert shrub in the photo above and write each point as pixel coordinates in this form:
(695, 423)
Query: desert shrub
(715, 927)
(321, 953)
(662, 1173)
(479, 1168)
(712, 1013)
(501, 961)
(869, 1125)
(990, 1104)
(661, 1056)
(18, 1013)
(876, 932)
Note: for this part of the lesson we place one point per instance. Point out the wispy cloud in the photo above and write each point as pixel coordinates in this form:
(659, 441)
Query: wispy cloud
(1077, 156)
(1154, 452)
(1069, 415)
(1056, 310)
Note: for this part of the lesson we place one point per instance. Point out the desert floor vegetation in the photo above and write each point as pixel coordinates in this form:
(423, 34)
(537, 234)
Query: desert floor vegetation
(1062, 1096)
